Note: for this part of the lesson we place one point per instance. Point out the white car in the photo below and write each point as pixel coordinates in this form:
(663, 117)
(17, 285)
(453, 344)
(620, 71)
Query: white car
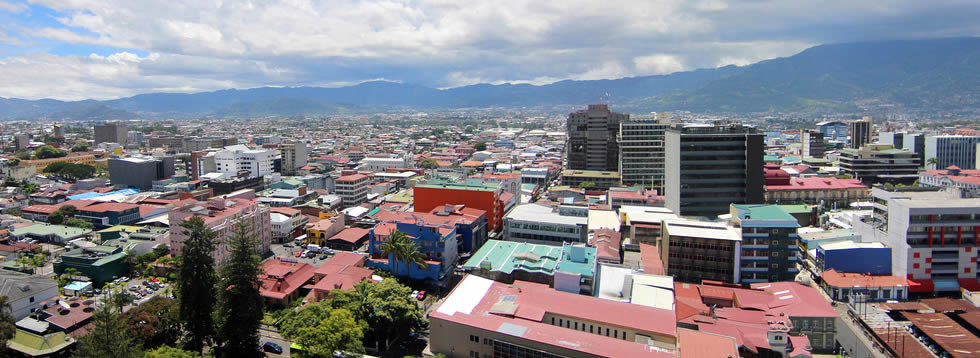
(414, 294)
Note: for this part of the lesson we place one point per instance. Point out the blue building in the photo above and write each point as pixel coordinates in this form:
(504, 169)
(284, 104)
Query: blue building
(833, 130)
(847, 256)
(437, 242)
(770, 245)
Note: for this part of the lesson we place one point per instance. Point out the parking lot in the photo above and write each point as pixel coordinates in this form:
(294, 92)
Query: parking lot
(284, 252)
(142, 293)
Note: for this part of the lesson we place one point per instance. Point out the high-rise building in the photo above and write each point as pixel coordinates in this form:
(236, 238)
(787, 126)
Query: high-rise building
(880, 163)
(948, 150)
(22, 140)
(770, 249)
(833, 130)
(353, 189)
(896, 139)
(222, 215)
(140, 172)
(710, 166)
(933, 236)
(641, 151)
(293, 157)
(239, 158)
(592, 136)
(860, 132)
(915, 143)
(812, 141)
(58, 131)
(111, 133)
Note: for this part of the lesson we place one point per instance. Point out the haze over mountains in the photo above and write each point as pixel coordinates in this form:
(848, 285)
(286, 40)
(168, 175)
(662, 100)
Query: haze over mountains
(941, 74)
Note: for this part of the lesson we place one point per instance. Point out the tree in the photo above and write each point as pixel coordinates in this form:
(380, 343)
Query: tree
(169, 352)
(385, 306)
(61, 215)
(338, 331)
(110, 338)
(481, 146)
(196, 281)
(70, 171)
(429, 163)
(7, 327)
(79, 223)
(48, 151)
(399, 248)
(23, 155)
(79, 147)
(240, 301)
(154, 323)
(932, 161)
(586, 185)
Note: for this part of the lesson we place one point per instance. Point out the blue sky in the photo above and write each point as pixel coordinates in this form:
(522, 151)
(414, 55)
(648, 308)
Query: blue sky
(77, 49)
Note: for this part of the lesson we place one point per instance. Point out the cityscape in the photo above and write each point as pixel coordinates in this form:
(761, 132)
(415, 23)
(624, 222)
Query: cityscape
(819, 198)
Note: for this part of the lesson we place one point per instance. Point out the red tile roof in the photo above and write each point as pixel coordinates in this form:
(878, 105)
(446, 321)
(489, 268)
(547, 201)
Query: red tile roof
(695, 344)
(109, 207)
(650, 257)
(606, 242)
(284, 210)
(351, 235)
(844, 279)
(280, 279)
(352, 178)
(818, 184)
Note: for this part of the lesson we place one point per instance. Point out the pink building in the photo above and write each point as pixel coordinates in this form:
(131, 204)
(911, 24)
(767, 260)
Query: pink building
(221, 214)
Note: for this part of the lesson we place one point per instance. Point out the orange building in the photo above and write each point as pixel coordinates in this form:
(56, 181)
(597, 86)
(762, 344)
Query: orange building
(473, 193)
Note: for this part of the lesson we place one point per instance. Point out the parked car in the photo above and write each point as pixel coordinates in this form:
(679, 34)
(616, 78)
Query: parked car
(331, 251)
(421, 295)
(414, 294)
(271, 348)
(287, 245)
(323, 257)
(298, 254)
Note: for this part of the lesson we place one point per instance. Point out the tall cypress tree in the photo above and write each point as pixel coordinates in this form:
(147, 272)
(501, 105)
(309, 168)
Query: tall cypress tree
(196, 283)
(110, 338)
(241, 302)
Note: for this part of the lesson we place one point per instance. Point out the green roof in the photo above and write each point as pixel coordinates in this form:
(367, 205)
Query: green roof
(124, 228)
(403, 197)
(763, 213)
(771, 158)
(509, 256)
(796, 208)
(590, 174)
(36, 345)
(50, 229)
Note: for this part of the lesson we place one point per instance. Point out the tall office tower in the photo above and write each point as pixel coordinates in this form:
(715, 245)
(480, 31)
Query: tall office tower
(833, 130)
(293, 157)
(860, 131)
(111, 133)
(958, 150)
(707, 167)
(592, 138)
(896, 139)
(915, 143)
(812, 143)
(641, 151)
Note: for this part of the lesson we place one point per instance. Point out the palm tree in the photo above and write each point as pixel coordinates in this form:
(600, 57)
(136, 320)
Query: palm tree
(399, 247)
(932, 161)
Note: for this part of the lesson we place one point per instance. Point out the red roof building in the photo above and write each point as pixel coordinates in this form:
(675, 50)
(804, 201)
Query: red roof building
(341, 272)
(281, 281)
(839, 285)
(536, 318)
(349, 239)
(814, 189)
(607, 243)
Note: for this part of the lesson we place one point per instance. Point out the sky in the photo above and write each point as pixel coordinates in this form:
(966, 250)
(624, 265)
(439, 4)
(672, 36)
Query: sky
(105, 49)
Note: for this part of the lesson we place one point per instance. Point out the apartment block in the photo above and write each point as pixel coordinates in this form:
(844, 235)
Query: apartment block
(542, 224)
(698, 250)
(813, 146)
(933, 236)
(222, 215)
(353, 189)
(880, 163)
(770, 245)
(111, 133)
(239, 160)
(860, 132)
(294, 156)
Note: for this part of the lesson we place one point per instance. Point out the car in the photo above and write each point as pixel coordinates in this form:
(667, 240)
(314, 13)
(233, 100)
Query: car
(331, 251)
(287, 245)
(271, 348)
(323, 257)
(421, 295)
(298, 254)
(98, 291)
(414, 294)
(134, 288)
(154, 279)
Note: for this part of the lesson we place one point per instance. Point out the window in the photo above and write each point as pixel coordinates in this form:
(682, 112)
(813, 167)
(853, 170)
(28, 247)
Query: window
(32, 300)
(474, 338)
(576, 325)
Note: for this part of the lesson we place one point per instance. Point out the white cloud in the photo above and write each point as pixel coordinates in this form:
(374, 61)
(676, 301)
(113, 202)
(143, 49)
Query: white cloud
(200, 45)
(12, 7)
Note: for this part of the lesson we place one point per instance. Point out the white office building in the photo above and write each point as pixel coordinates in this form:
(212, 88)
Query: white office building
(233, 159)
(381, 164)
(542, 224)
(957, 150)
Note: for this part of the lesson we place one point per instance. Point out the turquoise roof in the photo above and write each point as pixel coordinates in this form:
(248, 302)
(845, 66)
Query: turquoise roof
(509, 256)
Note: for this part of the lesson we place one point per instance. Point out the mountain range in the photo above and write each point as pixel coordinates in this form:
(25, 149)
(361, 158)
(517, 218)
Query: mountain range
(937, 74)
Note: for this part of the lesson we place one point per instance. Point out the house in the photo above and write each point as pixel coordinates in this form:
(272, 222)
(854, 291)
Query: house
(349, 239)
(341, 272)
(282, 280)
(26, 293)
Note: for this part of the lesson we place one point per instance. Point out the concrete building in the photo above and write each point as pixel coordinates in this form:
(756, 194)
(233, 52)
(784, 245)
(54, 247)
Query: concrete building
(933, 236)
(954, 178)
(101, 264)
(111, 133)
(839, 286)
(873, 258)
(140, 173)
(542, 224)
(708, 167)
(812, 141)
(602, 180)
(471, 193)
(353, 189)
(381, 164)
(592, 136)
(236, 159)
(483, 318)
(641, 151)
(436, 242)
(692, 251)
(222, 215)
(833, 130)
(22, 140)
(828, 191)
(948, 150)
(880, 163)
(643, 225)
(294, 156)
(860, 132)
(770, 245)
